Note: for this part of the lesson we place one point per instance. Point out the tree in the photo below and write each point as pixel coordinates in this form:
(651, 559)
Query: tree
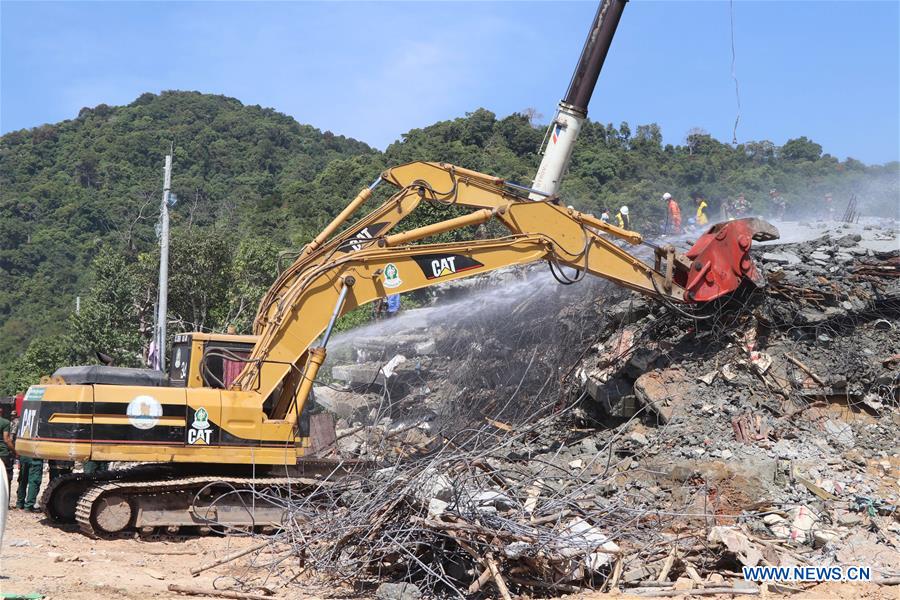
(801, 148)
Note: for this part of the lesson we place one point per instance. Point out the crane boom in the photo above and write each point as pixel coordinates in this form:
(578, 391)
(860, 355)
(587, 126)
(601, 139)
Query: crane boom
(559, 142)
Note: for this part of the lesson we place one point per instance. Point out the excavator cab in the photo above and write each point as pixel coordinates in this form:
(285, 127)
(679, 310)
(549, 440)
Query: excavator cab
(211, 360)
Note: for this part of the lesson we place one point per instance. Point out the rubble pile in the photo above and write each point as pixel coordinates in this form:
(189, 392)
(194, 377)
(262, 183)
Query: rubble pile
(588, 438)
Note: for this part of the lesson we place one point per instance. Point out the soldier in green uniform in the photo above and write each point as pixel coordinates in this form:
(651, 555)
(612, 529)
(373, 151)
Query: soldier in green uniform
(7, 448)
(31, 470)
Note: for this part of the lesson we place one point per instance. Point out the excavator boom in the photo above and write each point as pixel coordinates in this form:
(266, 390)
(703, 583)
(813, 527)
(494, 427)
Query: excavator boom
(333, 276)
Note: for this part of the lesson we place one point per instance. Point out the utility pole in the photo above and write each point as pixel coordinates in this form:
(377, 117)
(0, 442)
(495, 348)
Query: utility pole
(162, 307)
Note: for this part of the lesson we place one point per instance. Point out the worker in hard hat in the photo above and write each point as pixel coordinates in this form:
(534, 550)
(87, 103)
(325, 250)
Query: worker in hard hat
(673, 216)
(700, 218)
(622, 218)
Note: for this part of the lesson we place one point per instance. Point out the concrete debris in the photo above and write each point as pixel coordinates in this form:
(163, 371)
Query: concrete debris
(398, 591)
(538, 440)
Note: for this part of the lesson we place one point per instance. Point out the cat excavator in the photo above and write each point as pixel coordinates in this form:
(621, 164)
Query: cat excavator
(232, 412)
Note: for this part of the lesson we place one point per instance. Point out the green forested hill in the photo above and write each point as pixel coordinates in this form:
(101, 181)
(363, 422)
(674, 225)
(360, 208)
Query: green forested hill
(79, 202)
(73, 189)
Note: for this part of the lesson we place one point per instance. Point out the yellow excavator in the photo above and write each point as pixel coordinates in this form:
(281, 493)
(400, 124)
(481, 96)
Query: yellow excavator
(231, 412)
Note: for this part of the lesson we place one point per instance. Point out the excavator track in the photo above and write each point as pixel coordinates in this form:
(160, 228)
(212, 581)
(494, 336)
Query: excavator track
(114, 508)
(61, 495)
(168, 500)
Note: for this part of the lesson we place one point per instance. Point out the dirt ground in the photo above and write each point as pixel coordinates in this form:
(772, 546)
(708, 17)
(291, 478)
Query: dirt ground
(66, 565)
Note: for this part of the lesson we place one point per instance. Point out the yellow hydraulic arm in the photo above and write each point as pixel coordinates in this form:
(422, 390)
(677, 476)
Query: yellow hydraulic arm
(421, 181)
(337, 273)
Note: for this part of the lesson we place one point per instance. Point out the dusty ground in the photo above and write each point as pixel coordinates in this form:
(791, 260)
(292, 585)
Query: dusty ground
(65, 565)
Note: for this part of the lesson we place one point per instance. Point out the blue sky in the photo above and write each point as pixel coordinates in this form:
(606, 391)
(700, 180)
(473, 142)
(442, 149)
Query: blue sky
(827, 70)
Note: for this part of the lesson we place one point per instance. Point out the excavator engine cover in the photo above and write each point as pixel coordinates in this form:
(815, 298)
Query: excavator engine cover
(721, 259)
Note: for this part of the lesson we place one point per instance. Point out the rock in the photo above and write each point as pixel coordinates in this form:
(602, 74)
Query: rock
(435, 485)
(820, 256)
(492, 499)
(638, 438)
(804, 518)
(726, 454)
(843, 257)
(425, 348)
(709, 377)
(436, 507)
(344, 404)
(848, 519)
(54, 556)
(398, 591)
(716, 579)
(840, 433)
(683, 583)
(781, 258)
(773, 519)
(855, 456)
(848, 240)
(664, 392)
(737, 543)
(19, 543)
(823, 537)
(155, 574)
(516, 550)
(641, 361)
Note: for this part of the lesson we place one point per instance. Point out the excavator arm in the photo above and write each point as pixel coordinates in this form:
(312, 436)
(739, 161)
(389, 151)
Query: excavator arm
(339, 272)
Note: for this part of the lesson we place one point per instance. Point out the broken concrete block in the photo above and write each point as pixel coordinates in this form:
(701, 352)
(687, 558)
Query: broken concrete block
(516, 550)
(436, 507)
(398, 591)
(641, 361)
(425, 348)
(804, 518)
(683, 583)
(344, 404)
(849, 519)
(435, 485)
(576, 464)
(840, 432)
(663, 392)
(638, 438)
(737, 543)
(823, 537)
(781, 258)
(363, 374)
(492, 499)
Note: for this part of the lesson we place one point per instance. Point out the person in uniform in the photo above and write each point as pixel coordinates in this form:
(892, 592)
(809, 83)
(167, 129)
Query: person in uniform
(673, 214)
(700, 218)
(622, 218)
(7, 447)
(31, 470)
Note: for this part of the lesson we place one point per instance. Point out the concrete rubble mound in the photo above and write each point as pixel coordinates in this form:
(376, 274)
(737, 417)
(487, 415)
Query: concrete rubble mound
(518, 437)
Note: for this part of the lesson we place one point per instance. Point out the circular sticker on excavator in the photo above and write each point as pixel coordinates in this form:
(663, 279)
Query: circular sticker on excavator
(144, 412)
(392, 276)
